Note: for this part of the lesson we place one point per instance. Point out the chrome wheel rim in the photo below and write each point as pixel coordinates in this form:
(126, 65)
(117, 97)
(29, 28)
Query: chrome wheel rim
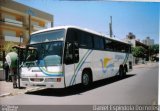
(85, 79)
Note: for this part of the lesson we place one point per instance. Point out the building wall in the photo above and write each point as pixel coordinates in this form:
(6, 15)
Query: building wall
(148, 41)
(130, 41)
(14, 22)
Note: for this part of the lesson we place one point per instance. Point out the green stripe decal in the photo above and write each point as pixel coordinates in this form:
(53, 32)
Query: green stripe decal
(79, 66)
(126, 58)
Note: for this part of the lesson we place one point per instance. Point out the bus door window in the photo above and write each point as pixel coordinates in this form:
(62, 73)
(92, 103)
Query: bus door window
(69, 53)
(71, 48)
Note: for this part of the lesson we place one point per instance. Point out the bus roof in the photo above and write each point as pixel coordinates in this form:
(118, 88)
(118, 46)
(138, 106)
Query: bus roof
(82, 29)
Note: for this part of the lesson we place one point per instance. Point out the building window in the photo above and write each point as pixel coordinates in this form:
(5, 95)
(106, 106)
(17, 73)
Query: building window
(9, 33)
(35, 23)
(9, 16)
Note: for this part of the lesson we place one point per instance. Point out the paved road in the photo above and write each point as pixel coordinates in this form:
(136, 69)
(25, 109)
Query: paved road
(139, 87)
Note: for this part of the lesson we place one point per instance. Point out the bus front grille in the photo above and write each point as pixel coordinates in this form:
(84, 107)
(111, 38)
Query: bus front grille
(36, 79)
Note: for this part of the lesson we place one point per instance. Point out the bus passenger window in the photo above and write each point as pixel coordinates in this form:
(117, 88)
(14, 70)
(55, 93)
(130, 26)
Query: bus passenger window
(98, 43)
(108, 44)
(85, 41)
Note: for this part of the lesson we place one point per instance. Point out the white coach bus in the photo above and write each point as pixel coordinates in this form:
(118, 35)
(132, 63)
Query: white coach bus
(64, 56)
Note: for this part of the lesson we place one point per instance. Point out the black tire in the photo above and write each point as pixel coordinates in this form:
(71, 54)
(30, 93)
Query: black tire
(122, 72)
(125, 68)
(86, 79)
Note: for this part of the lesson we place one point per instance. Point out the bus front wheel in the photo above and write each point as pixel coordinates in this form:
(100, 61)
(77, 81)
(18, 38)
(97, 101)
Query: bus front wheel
(86, 79)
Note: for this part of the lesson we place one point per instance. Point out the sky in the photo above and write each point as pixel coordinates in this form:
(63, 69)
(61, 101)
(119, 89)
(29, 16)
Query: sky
(140, 18)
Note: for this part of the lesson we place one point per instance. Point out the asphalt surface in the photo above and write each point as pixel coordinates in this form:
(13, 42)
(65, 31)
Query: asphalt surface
(139, 87)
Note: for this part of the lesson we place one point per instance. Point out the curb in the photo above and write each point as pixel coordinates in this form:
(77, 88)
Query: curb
(21, 92)
(5, 94)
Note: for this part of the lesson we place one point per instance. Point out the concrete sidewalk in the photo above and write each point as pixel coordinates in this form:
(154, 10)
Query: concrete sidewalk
(6, 89)
(148, 64)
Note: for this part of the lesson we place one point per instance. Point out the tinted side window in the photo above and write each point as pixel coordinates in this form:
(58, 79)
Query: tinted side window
(85, 40)
(98, 43)
(121, 47)
(71, 35)
(108, 45)
(71, 54)
(129, 49)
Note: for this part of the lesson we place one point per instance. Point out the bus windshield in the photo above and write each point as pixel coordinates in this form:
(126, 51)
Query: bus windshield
(47, 36)
(44, 54)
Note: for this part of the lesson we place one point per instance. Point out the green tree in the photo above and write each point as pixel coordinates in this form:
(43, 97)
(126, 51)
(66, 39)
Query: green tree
(154, 49)
(8, 46)
(139, 51)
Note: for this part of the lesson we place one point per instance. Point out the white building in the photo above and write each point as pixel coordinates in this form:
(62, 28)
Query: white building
(148, 41)
(131, 39)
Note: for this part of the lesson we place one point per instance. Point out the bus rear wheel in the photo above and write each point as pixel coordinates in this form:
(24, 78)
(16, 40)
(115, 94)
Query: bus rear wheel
(86, 79)
(125, 68)
(122, 71)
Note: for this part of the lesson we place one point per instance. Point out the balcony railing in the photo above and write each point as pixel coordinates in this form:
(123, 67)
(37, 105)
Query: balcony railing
(12, 38)
(13, 22)
(37, 27)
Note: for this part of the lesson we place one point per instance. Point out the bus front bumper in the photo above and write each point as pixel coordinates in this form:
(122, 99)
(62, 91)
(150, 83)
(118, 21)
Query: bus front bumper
(43, 82)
